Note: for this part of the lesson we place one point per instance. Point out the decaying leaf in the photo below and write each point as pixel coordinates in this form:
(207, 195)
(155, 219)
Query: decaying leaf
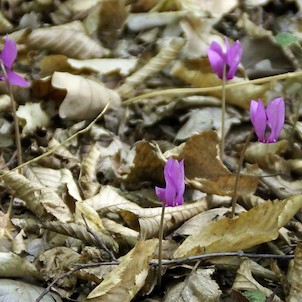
(294, 276)
(205, 171)
(85, 98)
(199, 286)
(32, 117)
(69, 40)
(12, 290)
(14, 266)
(199, 74)
(148, 220)
(258, 225)
(128, 277)
(245, 281)
(42, 201)
(81, 232)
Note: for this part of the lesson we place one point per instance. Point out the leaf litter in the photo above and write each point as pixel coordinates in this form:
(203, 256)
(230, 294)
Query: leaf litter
(116, 89)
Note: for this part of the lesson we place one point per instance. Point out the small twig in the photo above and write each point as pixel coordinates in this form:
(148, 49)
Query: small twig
(214, 255)
(97, 238)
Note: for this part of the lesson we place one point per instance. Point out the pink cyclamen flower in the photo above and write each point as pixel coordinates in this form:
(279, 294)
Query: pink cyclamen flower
(8, 57)
(271, 118)
(231, 58)
(172, 194)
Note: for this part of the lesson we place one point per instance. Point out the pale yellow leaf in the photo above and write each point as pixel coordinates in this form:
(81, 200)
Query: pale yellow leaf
(123, 282)
(85, 98)
(32, 117)
(258, 225)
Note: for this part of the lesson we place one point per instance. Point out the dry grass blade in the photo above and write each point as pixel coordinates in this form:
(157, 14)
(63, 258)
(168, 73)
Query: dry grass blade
(81, 232)
(42, 201)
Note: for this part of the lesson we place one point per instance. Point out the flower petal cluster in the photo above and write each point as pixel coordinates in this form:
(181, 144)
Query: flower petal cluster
(8, 57)
(272, 117)
(172, 194)
(231, 58)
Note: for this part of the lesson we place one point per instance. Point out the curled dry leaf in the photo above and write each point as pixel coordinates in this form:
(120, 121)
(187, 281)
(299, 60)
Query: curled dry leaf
(87, 179)
(80, 232)
(70, 40)
(257, 152)
(14, 266)
(32, 117)
(245, 281)
(258, 225)
(85, 98)
(148, 219)
(56, 180)
(105, 66)
(42, 201)
(128, 277)
(198, 286)
(294, 276)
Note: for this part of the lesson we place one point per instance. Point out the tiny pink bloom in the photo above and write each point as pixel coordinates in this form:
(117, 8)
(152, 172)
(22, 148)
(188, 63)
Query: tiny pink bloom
(8, 57)
(269, 120)
(172, 194)
(231, 58)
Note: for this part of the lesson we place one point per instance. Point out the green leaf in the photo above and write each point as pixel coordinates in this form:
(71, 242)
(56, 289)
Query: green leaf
(255, 295)
(286, 39)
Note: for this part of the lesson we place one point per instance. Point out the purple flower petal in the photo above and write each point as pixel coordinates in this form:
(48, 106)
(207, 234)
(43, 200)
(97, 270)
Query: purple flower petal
(216, 58)
(258, 119)
(15, 79)
(275, 112)
(233, 58)
(9, 53)
(172, 195)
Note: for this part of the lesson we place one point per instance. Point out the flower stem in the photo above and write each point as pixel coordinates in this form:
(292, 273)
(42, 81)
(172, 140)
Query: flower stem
(160, 245)
(222, 113)
(235, 192)
(16, 121)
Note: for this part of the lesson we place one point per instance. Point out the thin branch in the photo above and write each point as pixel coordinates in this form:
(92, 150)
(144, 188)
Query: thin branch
(97, 238)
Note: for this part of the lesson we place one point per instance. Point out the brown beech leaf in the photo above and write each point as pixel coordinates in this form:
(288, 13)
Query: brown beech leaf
(148, 219)
(70, 40)
(123, 282)
(205, 171)
(258, 225)
(85, 98)
(41, 200)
